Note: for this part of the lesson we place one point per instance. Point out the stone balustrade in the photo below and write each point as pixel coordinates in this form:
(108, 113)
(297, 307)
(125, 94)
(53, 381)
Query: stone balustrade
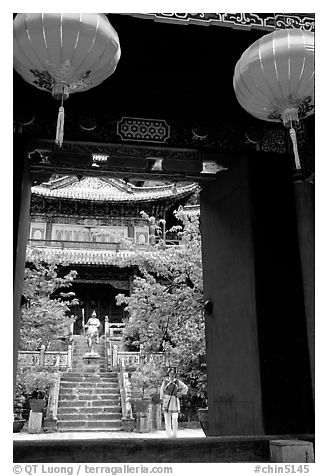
(61, 360)
(132, 360)
(128, 422)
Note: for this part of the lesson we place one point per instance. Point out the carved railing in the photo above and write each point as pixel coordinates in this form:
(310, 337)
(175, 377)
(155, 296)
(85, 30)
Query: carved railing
(133, 360)
(115, 329)
(126, 359)
(50, 421)
(113, 336)
(61, 360)
(116, 357)
(125, 391)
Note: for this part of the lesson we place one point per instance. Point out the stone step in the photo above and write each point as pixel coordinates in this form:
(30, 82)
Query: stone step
(82, 361)
(88, 368)
(80, 358)
(101, 401)
(99, 351)
(84, 345)
(90, 403)
(105, 375)
(89, 430)
(90, 416)
(98, 381)
(88, 396)
(71, 387)
(86, 425)
(112, 409)
(88, 378)
(64, 397)
(88, 385)
(81, 367)
(80, 376)
(98, 384)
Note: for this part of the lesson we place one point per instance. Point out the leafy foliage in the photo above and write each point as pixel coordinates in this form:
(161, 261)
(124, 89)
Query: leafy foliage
(44, 314)
(166, 304)
(147, 378)
(34, 382)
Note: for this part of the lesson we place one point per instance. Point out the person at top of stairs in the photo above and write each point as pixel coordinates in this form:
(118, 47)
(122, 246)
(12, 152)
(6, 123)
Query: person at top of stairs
(92, 327)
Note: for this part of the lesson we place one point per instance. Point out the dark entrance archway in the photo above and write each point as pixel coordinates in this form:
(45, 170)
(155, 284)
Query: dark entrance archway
(259, 341)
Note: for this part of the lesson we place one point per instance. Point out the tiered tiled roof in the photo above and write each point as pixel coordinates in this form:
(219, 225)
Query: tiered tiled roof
(109, 190)
(93, 256)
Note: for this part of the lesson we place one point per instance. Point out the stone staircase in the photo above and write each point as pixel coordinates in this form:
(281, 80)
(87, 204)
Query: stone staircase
(89, 397)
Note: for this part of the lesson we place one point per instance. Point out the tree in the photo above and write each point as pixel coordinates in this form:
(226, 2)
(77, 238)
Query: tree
(44, 312)
(166, 303)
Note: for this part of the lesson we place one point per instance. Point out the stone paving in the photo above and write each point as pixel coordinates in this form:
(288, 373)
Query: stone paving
(182, 433)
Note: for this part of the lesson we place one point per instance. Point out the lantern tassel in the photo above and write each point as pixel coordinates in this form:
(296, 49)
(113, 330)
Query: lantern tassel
(292, 134)
(60, 126)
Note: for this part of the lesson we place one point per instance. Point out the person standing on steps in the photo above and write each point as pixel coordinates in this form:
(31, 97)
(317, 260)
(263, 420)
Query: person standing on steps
(171, 390)
(92, 326)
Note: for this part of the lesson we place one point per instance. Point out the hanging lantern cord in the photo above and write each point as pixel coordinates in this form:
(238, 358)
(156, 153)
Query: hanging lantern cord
(289, 118)
(292, 134)
(60, 125)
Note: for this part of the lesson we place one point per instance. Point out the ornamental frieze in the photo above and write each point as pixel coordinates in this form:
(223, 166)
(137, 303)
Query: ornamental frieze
(29, 359)
(261, 21)
(52, 358)
(145, 130)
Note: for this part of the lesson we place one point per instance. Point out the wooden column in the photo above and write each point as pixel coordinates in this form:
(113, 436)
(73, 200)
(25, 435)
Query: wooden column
(304, 201)
(287, 401)
(234, 384)
(22, 197)
(258, 271)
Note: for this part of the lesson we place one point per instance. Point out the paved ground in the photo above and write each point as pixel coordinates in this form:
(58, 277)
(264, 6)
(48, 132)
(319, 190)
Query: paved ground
(182, 433)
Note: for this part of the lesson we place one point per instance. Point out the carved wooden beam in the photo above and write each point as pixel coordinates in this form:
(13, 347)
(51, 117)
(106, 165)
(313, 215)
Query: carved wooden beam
(124, 161)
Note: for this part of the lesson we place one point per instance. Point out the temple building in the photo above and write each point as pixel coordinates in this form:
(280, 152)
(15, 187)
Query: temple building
(88, 225)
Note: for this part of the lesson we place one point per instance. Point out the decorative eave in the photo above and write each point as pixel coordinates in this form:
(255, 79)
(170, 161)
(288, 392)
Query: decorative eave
(109, 190)
(91, 257)
(260, 21)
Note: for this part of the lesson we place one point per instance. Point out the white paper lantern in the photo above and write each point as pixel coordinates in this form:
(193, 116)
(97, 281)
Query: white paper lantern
(274, 78)
(64, 53)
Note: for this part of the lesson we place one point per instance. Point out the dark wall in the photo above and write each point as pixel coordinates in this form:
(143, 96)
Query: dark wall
(284, 357)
